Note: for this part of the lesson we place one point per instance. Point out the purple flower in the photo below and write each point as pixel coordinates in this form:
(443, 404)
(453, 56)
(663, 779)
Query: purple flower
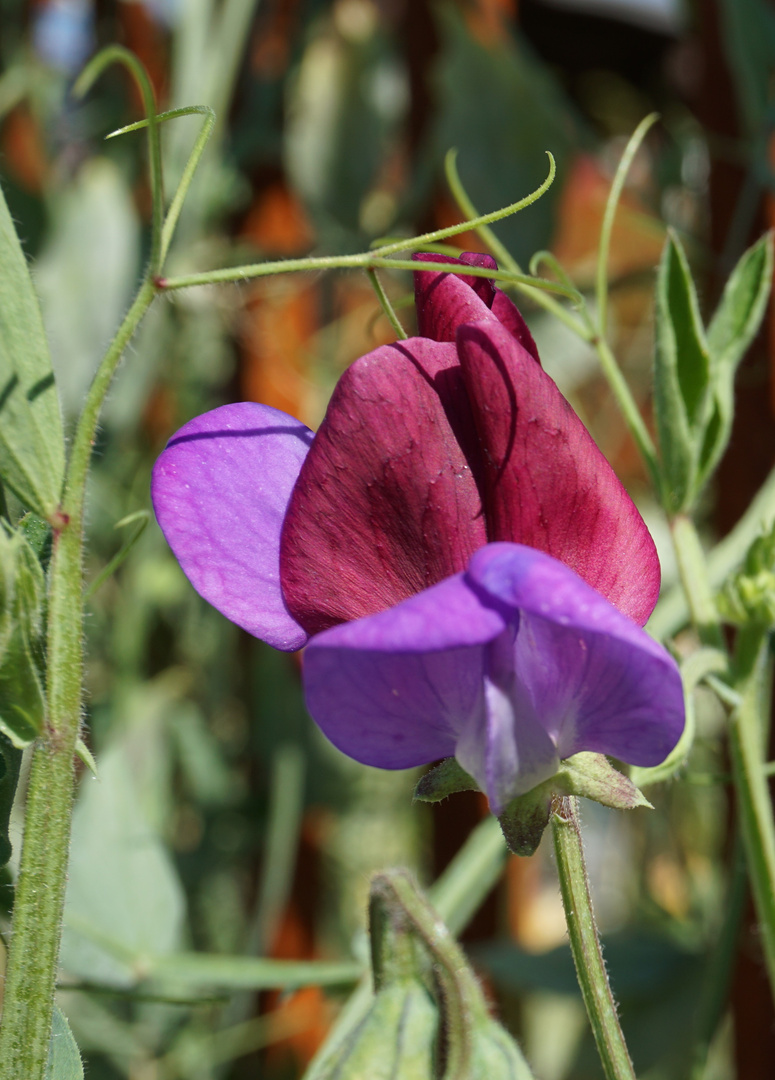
(467, 569)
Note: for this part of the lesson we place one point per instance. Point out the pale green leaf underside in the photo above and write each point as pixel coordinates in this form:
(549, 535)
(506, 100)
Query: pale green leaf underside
(64, 1060)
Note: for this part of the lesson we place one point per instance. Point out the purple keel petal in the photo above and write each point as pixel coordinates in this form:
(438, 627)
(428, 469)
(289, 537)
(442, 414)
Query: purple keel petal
(386, 503)
(446, 301)
(395, 689)
(546, 483)
(220, 491)
(596, 681)
(505, 746)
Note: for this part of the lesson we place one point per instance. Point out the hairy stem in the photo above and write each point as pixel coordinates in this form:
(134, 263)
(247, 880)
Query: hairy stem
(37, 920)
(585, 943)
(694, 577)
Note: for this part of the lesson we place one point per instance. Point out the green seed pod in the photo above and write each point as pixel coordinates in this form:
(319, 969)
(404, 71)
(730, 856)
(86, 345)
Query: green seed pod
(396, 1039)
(495, 1054)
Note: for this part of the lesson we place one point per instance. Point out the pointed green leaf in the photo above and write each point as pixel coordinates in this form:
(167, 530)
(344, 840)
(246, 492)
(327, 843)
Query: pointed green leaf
(681, 374)
(22, 598)
(22, 702)
(32, 456)
(731, 331)
(124, 902)
(64, 1059)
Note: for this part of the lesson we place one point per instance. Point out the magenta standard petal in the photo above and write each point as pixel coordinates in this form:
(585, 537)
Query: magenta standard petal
(220, 490)
(446, 301)
(595, 680)
(386, 503)
(395, 689)
(546, 484)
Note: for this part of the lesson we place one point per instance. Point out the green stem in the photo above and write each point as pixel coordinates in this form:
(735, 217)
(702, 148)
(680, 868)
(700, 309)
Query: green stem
(629, 409)
(117, 54)
(694, 577)
(718, 973)
(585, 943)
(361, 261)
(37, 919)
(387, 307)
(501, 252)
(614, 195)
(672, 611)
(746, 744)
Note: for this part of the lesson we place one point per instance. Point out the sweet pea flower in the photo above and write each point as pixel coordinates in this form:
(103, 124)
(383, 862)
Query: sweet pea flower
(467, 572)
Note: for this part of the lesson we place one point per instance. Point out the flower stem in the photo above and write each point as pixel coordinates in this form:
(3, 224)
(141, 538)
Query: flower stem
(694, 577)
(747, 753)
(37, 918)
(615, 194)
(747, 744)
(585, 943)
(629, 408)
(387, 307)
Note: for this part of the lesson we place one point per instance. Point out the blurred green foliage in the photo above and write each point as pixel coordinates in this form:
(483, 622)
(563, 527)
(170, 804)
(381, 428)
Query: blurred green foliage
(220, 821)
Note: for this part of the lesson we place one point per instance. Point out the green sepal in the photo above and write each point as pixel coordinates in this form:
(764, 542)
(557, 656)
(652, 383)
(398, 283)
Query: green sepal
(594, 777)
(32, 450)
(586, 774)
(525, 818)
(682, 397)
(443, 780)
(732, 329)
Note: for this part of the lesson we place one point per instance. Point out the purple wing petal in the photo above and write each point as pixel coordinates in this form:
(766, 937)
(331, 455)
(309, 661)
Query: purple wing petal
(386, 503)
(395, 689)
(446, 301)
(595, 679)
(546, 484)
(220, 491)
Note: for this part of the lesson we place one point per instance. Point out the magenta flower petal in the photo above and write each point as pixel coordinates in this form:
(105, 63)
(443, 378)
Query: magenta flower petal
(546, 484)
(220, 491)
(395, 689)
(446, 301)
(593, 677)
(386, 503)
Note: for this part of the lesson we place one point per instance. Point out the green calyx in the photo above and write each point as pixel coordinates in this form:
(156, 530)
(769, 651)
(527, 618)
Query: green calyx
(525, 818)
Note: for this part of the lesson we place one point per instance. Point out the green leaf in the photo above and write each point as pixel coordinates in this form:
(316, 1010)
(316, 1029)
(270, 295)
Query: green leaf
(64, 1059)
(32, 454)
(22, 600)
(732, 329)
(681, 375)
(124, 900)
